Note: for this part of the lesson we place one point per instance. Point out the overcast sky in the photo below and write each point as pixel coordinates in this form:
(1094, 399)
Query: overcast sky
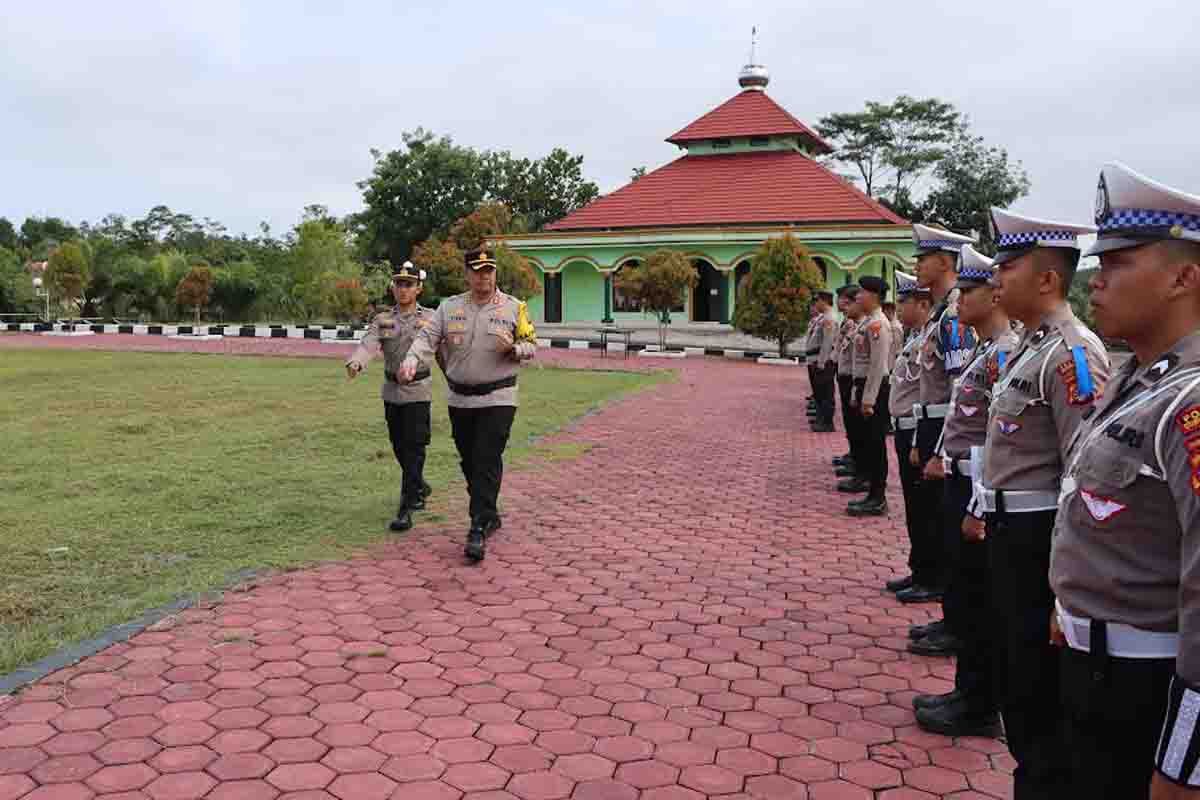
(247, 111)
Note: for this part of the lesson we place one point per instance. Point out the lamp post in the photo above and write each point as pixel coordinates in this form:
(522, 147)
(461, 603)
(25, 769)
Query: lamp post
(40, 291)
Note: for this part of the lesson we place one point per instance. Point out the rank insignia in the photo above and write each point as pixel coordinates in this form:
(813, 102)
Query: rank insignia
(993, 369)
(1188, 420)
(968, 411)
(1006, 427)
(1102, 509)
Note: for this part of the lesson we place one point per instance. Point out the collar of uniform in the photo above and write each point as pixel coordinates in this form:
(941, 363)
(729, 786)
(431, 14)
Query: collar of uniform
(1186, 350)
(1063, 315)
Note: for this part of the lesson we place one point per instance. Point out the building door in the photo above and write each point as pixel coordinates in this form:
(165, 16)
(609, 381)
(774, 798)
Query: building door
(553, 304)
(706, 297)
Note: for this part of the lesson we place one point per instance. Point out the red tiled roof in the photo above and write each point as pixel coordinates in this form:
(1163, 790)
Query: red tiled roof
(774, 186)
(749, 113)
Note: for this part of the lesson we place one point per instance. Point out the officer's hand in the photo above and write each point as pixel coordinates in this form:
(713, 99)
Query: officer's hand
(973, 529)
(506, 343)
(1163, 789)
(352, 369)
(1056, 635)
(914, 457)
(934, 470)
(407, 372)
(868, 410)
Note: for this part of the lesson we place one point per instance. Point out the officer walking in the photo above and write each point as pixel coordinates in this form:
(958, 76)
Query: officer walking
(819, 352)
(904, 392)
(405, 402)
(480, 338)
(1049, 384)
(970, 709)
(853, 467)
(1127, 538)
(872, 365)
(944, 349)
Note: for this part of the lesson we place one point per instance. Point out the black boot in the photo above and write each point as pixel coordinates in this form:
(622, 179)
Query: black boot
(873, 506)
(412, 503)
(853, 486)
(402, 522)
(919, 594)
(936, 700)
(426, 489)
(841, 461)
(491, 525)
(959, 719)
(844, 472)
(476, 544)
(899, 584)
(921, 631)
(822, 427)
(937, 644)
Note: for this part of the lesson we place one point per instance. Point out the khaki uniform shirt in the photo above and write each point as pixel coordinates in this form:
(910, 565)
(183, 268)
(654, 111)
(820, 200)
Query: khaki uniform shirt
(845, 347)
(394, 343)
(828, 331)
(967, 423)
(1039, 401)
(1127, 537)
(872, 354)
(462, 336)
(945, 347)
(897, 342)
(905, 382)
(809, 336)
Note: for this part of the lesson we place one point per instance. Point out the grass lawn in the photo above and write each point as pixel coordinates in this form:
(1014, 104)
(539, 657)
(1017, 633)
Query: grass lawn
(130, 479)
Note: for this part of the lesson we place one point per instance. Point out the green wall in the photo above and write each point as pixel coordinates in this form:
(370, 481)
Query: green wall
(583, 293)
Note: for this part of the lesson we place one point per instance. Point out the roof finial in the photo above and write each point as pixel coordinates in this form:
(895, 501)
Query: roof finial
(753, 75)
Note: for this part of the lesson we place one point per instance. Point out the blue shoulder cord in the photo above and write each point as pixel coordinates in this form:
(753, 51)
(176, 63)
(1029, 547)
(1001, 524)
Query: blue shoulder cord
(1083, 375)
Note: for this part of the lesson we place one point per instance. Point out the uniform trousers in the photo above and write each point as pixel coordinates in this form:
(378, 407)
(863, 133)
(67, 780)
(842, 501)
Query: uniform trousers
(873, 431)
(481, 434)
(1026, 664)
(1114, 709)
(967, 601)
(929, 500)
(924, 571)
(409, 429)
(824, 380)
(845, 386)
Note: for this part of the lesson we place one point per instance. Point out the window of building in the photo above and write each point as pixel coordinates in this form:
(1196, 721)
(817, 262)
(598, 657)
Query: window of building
(759, 141)
(721, 144)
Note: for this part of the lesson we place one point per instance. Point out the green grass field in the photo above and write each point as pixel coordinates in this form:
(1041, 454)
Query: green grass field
(130, 479)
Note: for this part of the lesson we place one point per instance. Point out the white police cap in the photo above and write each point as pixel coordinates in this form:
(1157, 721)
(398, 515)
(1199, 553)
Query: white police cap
(1016, 234)
(1133, 210)
(932, 240)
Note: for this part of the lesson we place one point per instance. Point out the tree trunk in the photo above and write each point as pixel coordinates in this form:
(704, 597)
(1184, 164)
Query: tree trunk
(782, 347)
(197, 308)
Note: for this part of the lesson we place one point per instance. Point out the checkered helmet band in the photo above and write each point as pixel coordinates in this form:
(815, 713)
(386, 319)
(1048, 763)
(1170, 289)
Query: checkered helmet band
(1134, 219)
(1007, 241)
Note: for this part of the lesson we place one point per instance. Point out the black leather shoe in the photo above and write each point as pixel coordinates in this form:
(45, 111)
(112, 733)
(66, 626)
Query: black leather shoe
(938, 644)
(959, 719)
(426, 489)
(935, 700)
(476, 544)
(921, 631)
(491, 526)
(876, 507)
(899, 584)
(412, 504)
(841, 461)
(402, 522)
(822, 427)
(853, 486)
(919, 594)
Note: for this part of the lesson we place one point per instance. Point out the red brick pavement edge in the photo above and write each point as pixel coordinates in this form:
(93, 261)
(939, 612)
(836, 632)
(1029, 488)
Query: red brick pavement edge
(681, 612)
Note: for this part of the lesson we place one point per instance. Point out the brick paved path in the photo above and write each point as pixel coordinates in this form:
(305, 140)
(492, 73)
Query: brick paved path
(682, 612)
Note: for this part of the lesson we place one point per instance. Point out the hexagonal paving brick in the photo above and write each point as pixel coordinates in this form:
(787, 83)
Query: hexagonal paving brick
(298, 777)
(647, 774)
(122, 778)
(476, 777)
(362, 786)
(180, 786)
(541, 786)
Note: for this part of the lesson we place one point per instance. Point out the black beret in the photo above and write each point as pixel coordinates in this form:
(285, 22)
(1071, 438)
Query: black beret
(874, 285)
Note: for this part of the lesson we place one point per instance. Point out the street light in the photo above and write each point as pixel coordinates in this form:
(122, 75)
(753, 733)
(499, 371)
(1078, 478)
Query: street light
(40, 291)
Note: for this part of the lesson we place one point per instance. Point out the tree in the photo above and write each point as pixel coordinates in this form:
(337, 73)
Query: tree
(443, 263)
(41, 235)
(515, 275)
(489, 219)
(235, 288)
(195, 289)
(893, 143)
(16, 285)
(68, 271)
(658, 283)
(637, 174)
(776, 297)
(348, 299)
(1080, 297)
(541, 191)
(8, 235)
(970, 180)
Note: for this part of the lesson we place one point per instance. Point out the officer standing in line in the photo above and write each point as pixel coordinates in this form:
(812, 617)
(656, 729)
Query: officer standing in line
(944, 349)
(1049, 384)
(405, 403)
(480, 338)
(872, 366)
(970, 709)
(843, 465)
(810, 364)
(889, 311)
(822, 371)
(913, 310)
(855, 472)
(1126, 558)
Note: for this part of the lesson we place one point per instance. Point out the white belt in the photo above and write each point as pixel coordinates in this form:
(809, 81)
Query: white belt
(904, 423)
(931, 410)
(1124, 641)
(963, 464)
(1015, 501)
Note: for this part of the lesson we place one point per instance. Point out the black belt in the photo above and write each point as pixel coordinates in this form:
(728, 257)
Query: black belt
(479, 389)
(421, 375)
(813, 352)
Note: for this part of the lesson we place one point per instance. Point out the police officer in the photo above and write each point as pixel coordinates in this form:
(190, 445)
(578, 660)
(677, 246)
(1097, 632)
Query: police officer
(810, 364)
(1127, 537)
(889, 311)
(852, 469)
(904, 392)
(944, 348)
(405, 403)
(480, 338)
(872, 365)
(970, 709)
(1049, 384)
(823, 370)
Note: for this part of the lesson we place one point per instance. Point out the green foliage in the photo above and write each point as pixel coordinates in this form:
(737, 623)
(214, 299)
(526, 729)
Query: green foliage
(1080, 297)
(776, 296)
(16, 285)
(8, 235)
(443, 262)
(487, 220)
(657, 284)
(515, 275)
(68, 271)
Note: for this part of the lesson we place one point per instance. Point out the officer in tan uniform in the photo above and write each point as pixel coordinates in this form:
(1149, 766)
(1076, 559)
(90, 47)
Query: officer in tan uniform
(904, 392)
(889, 311)
(405, 403)
(822, 370)
(872, 365)
(970, 709)
(814, 316)
(945, 346)
(1126, 559)
(1049, 384)
(480, 338)
(850, 466)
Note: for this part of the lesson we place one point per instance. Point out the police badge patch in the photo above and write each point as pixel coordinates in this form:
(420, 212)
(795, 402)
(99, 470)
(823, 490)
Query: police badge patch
(1103, 206)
